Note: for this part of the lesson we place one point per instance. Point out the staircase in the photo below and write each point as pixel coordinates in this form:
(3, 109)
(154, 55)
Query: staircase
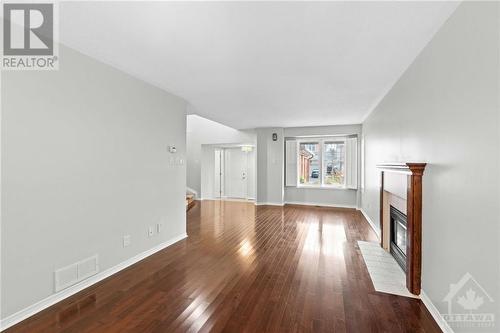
(190, 202)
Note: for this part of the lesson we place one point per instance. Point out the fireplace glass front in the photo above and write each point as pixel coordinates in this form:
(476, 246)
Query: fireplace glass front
(398, 236)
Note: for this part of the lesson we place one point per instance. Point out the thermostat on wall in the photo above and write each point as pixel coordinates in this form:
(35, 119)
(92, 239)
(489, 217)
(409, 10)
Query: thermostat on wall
(172, 149)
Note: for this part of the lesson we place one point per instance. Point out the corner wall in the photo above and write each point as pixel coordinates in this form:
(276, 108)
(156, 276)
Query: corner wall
(84, 162)
(445, 110)
(270, 167)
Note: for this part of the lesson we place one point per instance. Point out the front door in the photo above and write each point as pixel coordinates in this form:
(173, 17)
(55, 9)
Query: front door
(235, 173)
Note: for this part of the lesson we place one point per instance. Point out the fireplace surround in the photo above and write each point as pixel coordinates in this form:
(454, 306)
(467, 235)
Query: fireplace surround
(401, 187)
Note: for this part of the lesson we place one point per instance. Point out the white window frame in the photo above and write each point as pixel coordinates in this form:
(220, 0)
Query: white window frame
(335, 140)
(321, 142)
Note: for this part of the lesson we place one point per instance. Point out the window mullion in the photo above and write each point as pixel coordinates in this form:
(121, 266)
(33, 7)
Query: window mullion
(346, 167)
(322, 172)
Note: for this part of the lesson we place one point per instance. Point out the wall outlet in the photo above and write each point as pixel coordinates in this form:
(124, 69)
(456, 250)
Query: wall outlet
(158, 227)
(150, 231)
(126, 240)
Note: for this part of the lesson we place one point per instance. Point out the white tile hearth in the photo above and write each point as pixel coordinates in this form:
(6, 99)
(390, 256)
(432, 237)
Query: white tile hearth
(386, 275)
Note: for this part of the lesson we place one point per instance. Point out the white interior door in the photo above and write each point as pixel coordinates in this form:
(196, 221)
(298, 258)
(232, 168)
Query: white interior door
(218, 185)
(251, 174)
(235, 173)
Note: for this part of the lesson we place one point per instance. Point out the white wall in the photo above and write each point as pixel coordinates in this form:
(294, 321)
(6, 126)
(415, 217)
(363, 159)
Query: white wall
(321, 196)
(270, 167)
(207, 163)
(202, 131)
(84, 162)
(323, 130)
(445, 110)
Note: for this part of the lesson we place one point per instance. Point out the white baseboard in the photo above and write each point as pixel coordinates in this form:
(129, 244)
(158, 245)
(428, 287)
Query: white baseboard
(59, 296)
(269, 204)
(228, 199)
(435, 313)
(236, 199)
(319, 204)
(304, 204)
(370, 222)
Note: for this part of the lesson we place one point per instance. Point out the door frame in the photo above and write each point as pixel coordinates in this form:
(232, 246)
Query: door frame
(221, 173)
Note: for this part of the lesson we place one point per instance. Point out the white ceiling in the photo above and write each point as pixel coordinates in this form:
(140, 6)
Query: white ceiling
(259, 64)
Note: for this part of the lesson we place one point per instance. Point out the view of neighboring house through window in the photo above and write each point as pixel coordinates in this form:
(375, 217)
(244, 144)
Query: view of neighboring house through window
(322, 163)
(334, 162)
(309, 163)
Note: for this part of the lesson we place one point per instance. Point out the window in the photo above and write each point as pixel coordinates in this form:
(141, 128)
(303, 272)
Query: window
(309, 163)
(334, 163)
(321, 162)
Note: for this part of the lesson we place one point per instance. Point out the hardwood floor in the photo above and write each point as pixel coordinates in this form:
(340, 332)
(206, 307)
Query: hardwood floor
(245, 269)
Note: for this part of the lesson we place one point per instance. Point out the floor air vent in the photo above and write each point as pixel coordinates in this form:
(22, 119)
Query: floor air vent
(74, 273)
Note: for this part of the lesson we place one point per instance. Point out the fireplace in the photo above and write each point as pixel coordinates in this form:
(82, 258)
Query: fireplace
(398, 237)
(401, 217)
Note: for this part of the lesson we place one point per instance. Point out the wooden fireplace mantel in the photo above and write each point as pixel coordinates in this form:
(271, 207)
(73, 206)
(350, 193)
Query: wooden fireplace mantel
(414, 172)
(409, 167)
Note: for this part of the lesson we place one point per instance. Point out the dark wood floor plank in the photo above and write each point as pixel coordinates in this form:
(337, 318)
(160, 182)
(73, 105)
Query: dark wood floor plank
(245, 268)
